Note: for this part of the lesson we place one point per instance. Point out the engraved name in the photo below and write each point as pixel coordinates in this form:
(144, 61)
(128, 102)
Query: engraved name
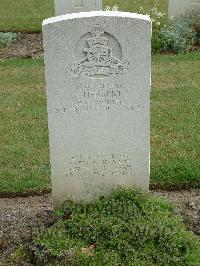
(103, 97)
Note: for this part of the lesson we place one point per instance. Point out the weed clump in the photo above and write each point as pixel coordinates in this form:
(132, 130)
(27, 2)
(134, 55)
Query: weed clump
(7, 38)
(128, 228)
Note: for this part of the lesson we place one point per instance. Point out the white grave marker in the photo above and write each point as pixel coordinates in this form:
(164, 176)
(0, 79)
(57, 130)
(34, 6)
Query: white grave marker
(98, 72)
(178, 8)
(63, 7)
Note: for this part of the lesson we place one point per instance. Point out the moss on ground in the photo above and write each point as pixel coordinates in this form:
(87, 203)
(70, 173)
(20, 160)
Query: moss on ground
(129, 228)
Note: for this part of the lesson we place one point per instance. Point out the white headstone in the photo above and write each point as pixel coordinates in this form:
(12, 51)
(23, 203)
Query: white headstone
(63, 7)
(194, 6)
(98, 72)
(178, 8)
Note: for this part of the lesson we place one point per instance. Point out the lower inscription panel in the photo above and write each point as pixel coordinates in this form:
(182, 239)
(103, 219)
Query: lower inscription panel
(99, 165)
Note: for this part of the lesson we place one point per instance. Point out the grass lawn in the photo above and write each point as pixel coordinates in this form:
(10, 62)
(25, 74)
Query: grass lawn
(24, 15)
(175, 120)
(24, 158)
(27, 15)
(175, 151)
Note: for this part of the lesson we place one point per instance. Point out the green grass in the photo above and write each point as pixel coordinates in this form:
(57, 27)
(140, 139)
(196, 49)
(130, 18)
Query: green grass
(175, 124)
(27, 15)
(24, 158)
(129, 228)
(175, 119)
(24, 15)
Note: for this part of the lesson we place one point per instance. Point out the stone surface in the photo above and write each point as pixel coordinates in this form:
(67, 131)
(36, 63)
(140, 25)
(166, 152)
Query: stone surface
(63, 7)
(179, 8)
(98, 69)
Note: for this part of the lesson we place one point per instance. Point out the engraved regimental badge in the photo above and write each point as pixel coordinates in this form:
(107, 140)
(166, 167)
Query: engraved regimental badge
(99, 60)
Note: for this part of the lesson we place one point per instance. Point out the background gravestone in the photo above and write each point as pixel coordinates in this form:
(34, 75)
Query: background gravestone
(98, 72)
(179, 8)
(63, 7)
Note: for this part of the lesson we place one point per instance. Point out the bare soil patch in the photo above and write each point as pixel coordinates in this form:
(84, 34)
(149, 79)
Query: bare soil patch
(30, 45)
(187, 204)
(21, 218)
(25, 46)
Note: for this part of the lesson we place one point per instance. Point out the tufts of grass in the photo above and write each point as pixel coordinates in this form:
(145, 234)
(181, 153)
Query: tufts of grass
(19, 256)
(128, 228)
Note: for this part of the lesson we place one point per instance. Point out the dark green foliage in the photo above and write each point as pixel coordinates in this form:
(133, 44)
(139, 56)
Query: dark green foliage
(156, 41)
(129, 228)
(178, 37)
(194, 21)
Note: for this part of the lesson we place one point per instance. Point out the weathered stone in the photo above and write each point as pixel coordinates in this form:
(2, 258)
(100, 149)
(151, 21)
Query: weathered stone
(63, 7)
(178, 8)
(98, 71)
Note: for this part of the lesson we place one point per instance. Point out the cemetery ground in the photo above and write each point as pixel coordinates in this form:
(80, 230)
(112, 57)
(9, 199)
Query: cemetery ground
(21, 219)
(175, 138)
(24, 160)
(25, 168)
(29, 18)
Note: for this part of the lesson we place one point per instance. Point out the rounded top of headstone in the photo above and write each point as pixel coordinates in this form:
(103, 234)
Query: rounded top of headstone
(96, 14)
